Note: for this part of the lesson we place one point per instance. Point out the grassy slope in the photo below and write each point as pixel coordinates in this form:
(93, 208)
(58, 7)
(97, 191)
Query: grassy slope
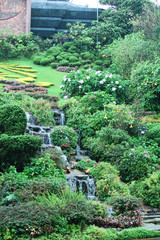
(44, 74)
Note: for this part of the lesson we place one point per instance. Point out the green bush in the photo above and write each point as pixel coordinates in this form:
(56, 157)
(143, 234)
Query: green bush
(98, 68)
(154, 133)
(54, 65)
(73, 59)
(84, 164)
(37, 60)
(45, 61)
(87, 55)
(73, 49)
(111, 186)
(95, 233)
(86, 66)
(65, 137)
(99, 62)
(54, 51)
(67, 45)
(39, 187)
(32, 215)
(17, 150)
(108, 144)
(43, 166)
(136, 164)
(13, 119)
(144, 84)
(148, 189)
(63, 63)
(102, 169)
(137, 233)
(95, 101)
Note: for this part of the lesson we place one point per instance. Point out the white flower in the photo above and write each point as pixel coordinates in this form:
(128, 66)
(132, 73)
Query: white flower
(62, 86)
(81, 81)
(80, 86)
(88, 77)
(69, 80)
(64, 79)
(111, 75)
(120, 86)
(108, 85)
(106, 75)
(113, 89)
(65, 97)
(101, 82)
(112, 82)
(114, 102)
(104, 79)
(97, 72)
(116, 82)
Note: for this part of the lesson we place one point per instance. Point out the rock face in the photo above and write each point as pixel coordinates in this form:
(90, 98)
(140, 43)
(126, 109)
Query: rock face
(49, 17)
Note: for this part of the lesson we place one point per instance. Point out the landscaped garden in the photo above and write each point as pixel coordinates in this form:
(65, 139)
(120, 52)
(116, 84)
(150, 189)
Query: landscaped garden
(110, 92)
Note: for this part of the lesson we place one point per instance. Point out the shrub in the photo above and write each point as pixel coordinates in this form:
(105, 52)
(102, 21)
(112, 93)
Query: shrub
(111, 186)
(32, 215)
(45, 61)
(39, 187)
(13, 119)
(17, 150)
(154, 133)
(137, 233)
(145, 84)
(99, 62)
(37, 59)
(109, 144)
(72, 49)
(67, 45)
(86, 66)
(54, 51)
(95, 233)
(148, 189)
(81, 82)
(63, 63)
(73, 59)
(84, 164)
(122, 205)
(102, 169)
(136, 164)
(54, 65)
(65, 137)
(98, 68)
(43, 166)
(95, 101)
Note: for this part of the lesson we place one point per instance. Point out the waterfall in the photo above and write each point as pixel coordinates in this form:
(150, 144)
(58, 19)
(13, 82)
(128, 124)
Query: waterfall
(83, 183)
(59, 117)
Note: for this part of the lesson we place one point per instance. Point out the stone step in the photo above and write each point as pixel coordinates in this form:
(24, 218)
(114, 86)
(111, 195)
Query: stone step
(153, 220)
(151, 216)
(154, 227)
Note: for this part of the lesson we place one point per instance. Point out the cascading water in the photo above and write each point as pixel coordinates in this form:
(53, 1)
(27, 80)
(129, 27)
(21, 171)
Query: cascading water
(83, 183)
(59, 117)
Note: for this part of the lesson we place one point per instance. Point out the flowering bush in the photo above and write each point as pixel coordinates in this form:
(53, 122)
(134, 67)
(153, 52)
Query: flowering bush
(80, 82)
(65, 137)
(26, 88)
(66, 69)
(136, 164)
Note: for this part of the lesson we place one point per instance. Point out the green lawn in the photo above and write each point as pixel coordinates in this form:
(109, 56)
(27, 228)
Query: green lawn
(44, 74)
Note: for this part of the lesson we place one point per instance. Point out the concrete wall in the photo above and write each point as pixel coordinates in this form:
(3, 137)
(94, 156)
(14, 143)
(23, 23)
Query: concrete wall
(15, 16)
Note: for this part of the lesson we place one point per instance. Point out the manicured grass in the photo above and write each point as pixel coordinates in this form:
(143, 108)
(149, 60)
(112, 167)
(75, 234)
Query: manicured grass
(44, 74)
